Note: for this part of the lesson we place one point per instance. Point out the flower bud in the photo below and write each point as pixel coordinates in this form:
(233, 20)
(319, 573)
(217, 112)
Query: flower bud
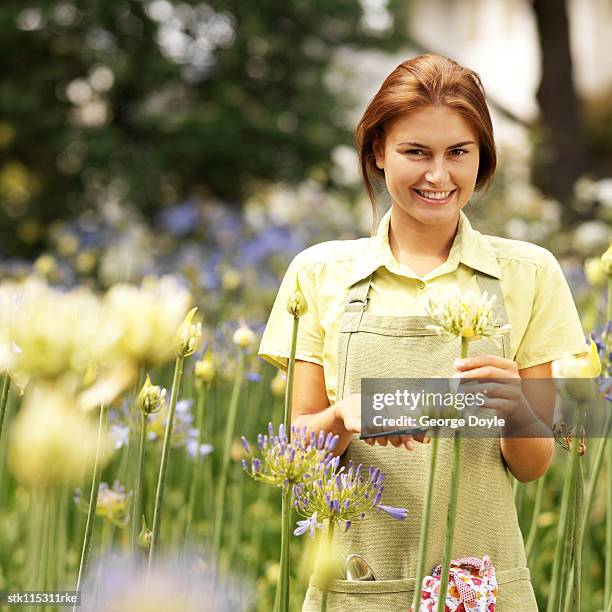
(151, 398)
(204, 370)
(230, 279)
(593, 270)
(297, 305)
(144, 537)
(278, 384)
(189, 335)
(606, 261)
(244, 336)
(574, 367)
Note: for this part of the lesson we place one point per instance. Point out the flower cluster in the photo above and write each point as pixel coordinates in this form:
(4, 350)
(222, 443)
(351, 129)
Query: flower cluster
(284, 462)
(113, 503)
(466, 315)
(340, 495)
(183, 432)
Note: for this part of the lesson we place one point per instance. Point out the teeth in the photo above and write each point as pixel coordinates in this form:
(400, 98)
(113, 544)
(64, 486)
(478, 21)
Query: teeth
(434, 195)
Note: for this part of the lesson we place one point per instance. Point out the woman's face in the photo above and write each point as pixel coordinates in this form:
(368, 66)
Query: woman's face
(430, 158)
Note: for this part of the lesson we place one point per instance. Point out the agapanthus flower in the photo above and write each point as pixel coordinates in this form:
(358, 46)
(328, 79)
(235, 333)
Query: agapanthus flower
(465, 315)
(51, 443)
(183, 432)
(188, 335)
(310, 524)
(284, 462)
(297, 305)
(341, 495)
(188, 583)
(576, 374)
(151, 398)
(113, 503)
(603, 340)
(204, 369)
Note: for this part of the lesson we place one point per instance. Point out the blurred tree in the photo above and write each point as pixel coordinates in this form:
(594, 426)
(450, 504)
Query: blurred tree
(562, 154)
(151, 101)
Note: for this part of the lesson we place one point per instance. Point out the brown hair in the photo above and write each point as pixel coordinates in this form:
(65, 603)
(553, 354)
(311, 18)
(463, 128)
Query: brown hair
(422, 81)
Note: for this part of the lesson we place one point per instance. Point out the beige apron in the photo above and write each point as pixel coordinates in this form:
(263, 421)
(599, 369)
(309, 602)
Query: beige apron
(373, 346)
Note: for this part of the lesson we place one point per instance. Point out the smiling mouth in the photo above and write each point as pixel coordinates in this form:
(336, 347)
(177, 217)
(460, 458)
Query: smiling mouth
(439, 197)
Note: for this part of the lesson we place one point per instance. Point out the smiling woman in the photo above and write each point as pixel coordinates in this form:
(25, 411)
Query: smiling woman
(426, 137)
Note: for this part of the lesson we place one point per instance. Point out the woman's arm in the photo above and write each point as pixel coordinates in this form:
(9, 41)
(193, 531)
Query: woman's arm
(311, 407)
(524, 407)
(529, 458)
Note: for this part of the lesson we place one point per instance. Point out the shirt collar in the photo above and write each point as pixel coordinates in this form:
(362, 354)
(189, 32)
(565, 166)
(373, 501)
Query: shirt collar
(469, 247)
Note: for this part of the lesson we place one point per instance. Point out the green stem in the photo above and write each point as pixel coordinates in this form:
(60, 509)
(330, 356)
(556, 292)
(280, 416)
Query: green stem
(423, 540)
(325, 590)
(608, 571)
(609, 298)
(229, 432)
(564, 546)
(161, 481)
(6, 383)
(138, 483)
(283, 578)
(537, 506)
(290, 370)
(597, 464)
(450, 522)
(93, 500)
(452, 505)
(576, 591)
(195, 470)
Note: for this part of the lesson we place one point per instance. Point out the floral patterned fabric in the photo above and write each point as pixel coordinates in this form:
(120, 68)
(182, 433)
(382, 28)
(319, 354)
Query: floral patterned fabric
(472, 587)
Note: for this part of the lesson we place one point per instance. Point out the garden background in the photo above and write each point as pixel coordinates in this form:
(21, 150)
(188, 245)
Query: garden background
(214, 141)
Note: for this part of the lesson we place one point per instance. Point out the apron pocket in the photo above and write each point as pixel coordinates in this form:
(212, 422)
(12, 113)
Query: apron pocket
(357, 596)
(514, 592)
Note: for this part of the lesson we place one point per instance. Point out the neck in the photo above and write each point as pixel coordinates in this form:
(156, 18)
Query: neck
(410, 238)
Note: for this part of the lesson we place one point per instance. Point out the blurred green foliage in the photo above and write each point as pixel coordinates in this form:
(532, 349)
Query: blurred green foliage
(149, 101)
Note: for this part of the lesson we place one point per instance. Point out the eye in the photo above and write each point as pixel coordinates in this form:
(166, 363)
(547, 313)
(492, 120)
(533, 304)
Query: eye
(415, 152)
(458, 152)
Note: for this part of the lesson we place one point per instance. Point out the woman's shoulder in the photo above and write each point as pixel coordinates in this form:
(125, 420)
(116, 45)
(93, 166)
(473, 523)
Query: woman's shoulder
(520, 251)
(330, 252)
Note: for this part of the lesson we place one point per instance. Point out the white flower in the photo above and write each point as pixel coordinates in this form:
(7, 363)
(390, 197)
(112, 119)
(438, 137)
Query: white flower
(244, 336)
(466, 315)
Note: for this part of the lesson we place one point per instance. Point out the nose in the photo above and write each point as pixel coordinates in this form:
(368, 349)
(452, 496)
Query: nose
(437, 173)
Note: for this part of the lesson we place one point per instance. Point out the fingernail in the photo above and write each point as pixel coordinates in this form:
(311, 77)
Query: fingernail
(458, 363)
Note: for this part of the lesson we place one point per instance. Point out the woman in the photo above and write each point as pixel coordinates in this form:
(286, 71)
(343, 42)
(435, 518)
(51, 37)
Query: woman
(427, 134)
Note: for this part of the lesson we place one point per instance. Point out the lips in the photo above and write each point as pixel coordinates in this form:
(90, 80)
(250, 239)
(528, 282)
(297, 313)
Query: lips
(420, 194)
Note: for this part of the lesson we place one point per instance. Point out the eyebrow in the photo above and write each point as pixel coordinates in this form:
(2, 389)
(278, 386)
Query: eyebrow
(422, 146)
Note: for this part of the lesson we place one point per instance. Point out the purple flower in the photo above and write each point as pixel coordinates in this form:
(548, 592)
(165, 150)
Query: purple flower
(309, 524)
(397, 513)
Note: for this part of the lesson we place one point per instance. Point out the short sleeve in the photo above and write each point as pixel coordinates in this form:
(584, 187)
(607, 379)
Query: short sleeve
(275, 344)
(554, 329)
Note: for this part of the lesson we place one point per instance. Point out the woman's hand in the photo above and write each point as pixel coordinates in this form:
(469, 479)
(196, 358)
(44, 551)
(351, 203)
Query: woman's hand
(348, 410)
(504, 394)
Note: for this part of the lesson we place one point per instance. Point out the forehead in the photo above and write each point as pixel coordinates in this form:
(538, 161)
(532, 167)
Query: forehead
(431, 126)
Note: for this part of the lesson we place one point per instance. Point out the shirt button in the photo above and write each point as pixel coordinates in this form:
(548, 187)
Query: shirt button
(420, 285)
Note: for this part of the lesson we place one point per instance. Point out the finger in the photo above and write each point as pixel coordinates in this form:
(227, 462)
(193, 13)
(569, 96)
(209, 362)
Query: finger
(396, 441)
(508, 390)
(468, 363)
(369, 441)
(382, 441)
(484, 371)
(408, 442)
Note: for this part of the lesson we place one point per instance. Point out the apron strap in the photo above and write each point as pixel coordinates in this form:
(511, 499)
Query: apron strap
(357, 298)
